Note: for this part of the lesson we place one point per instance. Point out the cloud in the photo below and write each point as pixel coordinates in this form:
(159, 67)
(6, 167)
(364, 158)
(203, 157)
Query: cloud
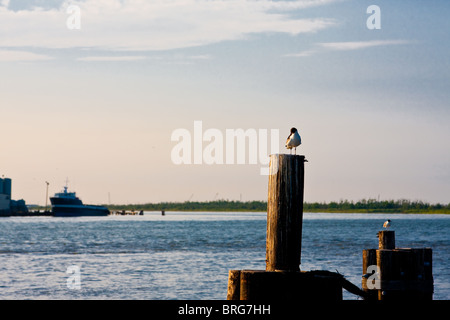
(112, 58)
(166, 59)
(201, 57)
(356, 45)
(155, 25)
(305, 53)
(346, 46)
(10, 56)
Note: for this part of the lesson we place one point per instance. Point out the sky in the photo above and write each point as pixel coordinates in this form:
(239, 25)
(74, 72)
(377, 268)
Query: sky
(95, 92)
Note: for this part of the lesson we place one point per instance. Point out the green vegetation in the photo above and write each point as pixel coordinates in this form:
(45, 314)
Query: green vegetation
(219, 205)
(374, 206)
(362, 206)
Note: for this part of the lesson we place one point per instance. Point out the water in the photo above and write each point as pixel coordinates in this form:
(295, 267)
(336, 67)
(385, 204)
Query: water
(188, 255)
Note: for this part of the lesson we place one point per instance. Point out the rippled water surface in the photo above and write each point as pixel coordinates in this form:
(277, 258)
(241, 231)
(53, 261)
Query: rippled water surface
(188, 255)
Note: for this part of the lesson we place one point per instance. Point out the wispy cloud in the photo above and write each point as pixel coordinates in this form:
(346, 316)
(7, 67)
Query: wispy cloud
(11, 55)
(157, 24)
(201, 57)
(346, 46)
(305, 53)
(165, 59)
(112, 58)
(356, 45)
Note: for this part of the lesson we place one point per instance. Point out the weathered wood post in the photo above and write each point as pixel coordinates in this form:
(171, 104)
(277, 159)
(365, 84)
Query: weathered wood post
(234, 285)
(282, 280)
(386, 239)
(370, 263)
(401, 273)
(285, 212)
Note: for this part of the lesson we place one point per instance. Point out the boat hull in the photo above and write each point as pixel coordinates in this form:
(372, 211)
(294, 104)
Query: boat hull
(79, 211)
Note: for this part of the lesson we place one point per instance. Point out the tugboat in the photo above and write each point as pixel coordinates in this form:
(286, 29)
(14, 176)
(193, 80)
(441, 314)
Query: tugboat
(67, 204)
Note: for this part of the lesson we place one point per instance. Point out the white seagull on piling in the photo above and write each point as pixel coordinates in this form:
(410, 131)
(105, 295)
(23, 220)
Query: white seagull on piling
(387, 224)
(294, 140)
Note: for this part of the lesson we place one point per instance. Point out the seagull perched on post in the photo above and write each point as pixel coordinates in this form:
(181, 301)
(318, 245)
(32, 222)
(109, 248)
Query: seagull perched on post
(387, 224)
(294, 140)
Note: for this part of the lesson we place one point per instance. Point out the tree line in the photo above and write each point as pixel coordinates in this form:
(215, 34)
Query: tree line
(361, 206)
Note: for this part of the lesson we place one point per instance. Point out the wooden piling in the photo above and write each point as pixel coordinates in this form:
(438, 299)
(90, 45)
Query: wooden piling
(369, 259)
(403, 273)
(285, 212)
(386, 239)
(282, 279)
(234, 285)
(285, 285)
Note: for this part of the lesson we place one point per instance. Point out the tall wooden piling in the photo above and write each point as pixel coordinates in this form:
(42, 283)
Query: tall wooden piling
(282, 279)
(285, 212)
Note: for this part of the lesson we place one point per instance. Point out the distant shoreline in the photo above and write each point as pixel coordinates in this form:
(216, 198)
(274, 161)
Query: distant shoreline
(363, 206)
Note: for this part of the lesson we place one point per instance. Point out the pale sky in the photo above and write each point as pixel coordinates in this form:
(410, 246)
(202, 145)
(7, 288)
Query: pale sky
(98, 105)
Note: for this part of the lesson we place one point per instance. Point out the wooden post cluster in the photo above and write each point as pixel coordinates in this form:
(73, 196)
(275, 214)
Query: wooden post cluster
(282, 279)
(397, 273)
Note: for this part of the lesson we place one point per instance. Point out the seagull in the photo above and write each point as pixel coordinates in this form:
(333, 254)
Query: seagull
(387, 224)
(294, 140)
